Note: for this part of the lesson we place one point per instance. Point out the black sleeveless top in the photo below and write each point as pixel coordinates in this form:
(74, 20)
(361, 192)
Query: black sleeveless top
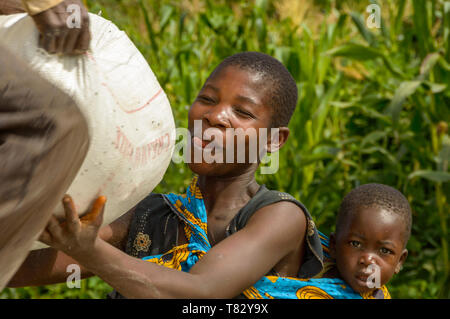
(154, 229)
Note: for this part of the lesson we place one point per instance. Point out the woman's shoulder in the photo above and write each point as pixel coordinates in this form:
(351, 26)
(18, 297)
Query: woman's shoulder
(314, 254)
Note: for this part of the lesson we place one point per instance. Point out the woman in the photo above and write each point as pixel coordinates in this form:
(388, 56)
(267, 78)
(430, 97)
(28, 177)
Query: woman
(229, 231)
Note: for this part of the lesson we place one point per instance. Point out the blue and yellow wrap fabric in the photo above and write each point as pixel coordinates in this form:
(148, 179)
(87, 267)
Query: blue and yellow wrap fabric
(191, 210)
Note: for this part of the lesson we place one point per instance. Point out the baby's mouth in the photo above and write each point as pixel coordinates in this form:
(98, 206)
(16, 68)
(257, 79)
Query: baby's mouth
(362, 278)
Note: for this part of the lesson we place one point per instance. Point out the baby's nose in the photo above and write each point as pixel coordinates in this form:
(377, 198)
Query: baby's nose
(367, 258)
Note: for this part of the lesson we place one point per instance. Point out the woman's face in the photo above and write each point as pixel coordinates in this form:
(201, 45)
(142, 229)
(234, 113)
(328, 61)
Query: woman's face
(230, 102)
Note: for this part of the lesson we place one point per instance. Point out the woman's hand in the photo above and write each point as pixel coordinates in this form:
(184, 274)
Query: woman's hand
(75, 236)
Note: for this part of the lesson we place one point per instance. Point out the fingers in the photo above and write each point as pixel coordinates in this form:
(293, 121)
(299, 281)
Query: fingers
(65, 41)
(71, 41)
(82, 44)
(48, 42)
(78, 38)
(95, 215)
(60, 40)
(64, 29)
(72, 219)
(53, 227)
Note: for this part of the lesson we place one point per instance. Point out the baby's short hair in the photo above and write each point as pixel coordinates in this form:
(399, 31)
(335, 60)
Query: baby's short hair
(378, 195)
(282, 87)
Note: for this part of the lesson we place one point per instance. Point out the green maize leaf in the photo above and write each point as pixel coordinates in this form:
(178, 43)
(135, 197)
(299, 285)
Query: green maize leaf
(373, 137)
(204, 18)
(181, 25)
(434, 176)
(374, 149)
(261, 32)
(166, 13)
(355, 51)
(293, 65)
(358, 19)
(444, 64)
(338, 28)
(151, 32)
(261, 5)
(324, 108)
(309, 159)
(422, 26)
(405, 90)
(399, 16)
(428, 63)
(343, 104)
(435, 87)
(443, 157)
(364, 53)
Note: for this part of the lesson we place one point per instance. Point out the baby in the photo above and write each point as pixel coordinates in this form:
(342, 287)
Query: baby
(369, 244)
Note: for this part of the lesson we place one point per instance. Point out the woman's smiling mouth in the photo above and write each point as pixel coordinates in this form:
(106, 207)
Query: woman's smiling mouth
(198, 142)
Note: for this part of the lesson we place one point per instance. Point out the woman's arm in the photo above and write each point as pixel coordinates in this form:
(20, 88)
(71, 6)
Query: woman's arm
(226, 270)
(49, 266)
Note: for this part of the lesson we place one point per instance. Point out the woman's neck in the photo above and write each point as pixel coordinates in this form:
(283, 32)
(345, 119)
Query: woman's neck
(227, 193)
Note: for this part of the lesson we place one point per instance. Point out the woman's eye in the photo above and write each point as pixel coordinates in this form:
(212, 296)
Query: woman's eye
(244, 113)
(355, 243)
(205, 99)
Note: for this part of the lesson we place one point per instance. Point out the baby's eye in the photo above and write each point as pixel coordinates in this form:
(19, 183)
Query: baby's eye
(355, 243)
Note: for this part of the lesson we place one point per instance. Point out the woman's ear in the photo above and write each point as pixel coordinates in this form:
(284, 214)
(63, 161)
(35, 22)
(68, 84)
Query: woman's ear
(332, 245)
(401, 261)
(277, 138)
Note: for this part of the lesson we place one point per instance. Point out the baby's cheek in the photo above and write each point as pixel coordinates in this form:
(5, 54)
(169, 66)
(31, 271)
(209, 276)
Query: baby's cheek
(345, 269)
(387, 273)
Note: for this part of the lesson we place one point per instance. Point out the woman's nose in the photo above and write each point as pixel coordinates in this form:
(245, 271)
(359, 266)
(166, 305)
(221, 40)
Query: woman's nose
(218, 116)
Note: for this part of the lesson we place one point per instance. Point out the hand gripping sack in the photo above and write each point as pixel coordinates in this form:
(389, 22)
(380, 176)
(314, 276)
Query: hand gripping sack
(130, 121)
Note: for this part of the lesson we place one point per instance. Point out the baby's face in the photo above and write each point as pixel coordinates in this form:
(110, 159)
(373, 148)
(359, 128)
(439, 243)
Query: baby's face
(369, 245)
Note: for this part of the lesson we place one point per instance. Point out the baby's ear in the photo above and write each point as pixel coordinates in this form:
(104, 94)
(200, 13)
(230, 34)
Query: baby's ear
(332, 245)
(401, 261)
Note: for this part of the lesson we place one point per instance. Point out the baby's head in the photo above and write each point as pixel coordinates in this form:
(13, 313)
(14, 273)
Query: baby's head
(372, 230)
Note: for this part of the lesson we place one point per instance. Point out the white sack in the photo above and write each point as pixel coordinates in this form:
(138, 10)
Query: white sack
(130, 121)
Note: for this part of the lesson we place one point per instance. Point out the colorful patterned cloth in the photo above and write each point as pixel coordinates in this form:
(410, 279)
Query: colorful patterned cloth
(191, 210)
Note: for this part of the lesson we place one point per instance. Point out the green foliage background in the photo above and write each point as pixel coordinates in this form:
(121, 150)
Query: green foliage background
(373, 106)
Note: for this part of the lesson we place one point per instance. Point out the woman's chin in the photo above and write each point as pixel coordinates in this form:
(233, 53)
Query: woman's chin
(221, 169)
(205, 169)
